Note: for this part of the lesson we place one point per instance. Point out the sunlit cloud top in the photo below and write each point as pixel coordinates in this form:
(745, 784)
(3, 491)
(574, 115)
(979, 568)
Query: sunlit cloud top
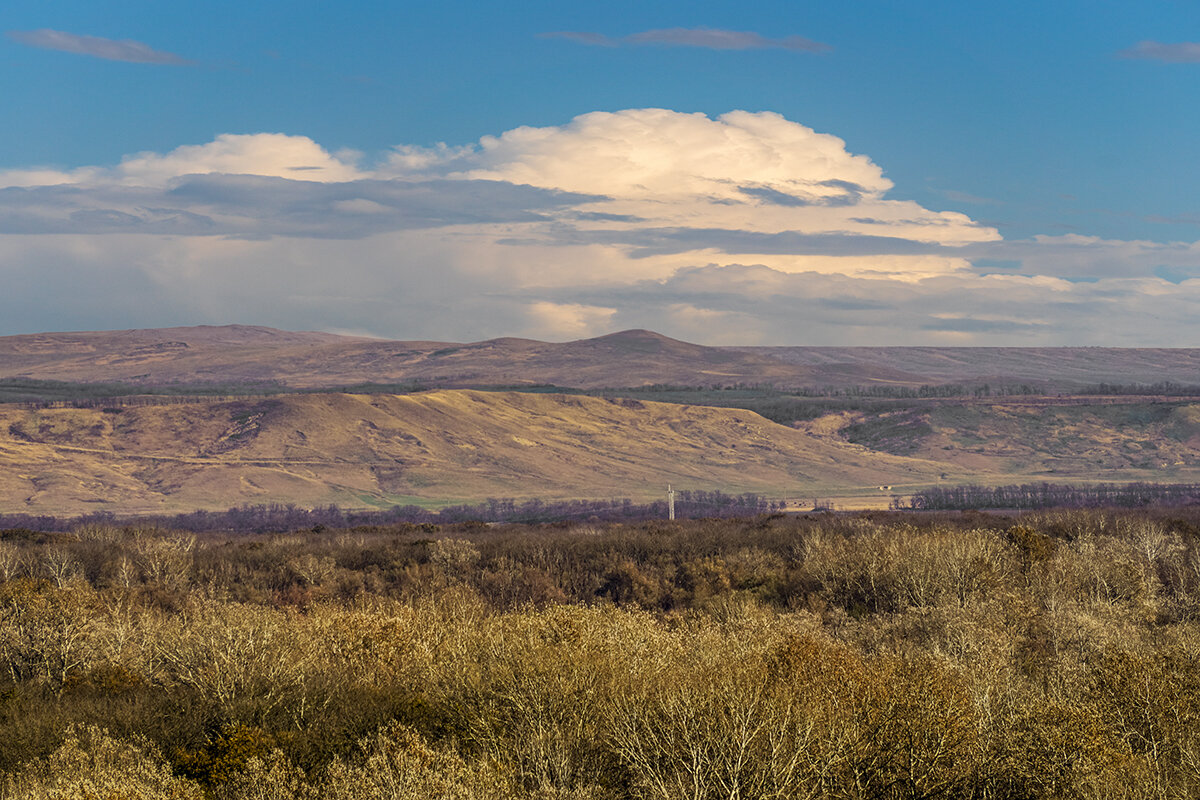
(652, 188)
(744, 227)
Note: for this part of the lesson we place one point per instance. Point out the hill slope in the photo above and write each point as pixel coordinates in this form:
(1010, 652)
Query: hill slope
(361, 450)
(250, 354)
(1045, 439)
(1056, 368)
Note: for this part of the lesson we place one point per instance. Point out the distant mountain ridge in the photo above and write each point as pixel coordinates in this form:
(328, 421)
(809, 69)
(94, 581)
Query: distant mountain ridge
(306, 360)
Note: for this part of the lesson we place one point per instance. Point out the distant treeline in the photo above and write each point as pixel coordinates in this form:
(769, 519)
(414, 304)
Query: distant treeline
(1166, 388)
(52, 394)
(882, 391)
(279, 517)
(69, 394)
(936, 390)
(1052, 495)
(688, 504)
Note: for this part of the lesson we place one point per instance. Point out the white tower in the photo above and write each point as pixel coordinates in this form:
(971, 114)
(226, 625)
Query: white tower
(670, 502)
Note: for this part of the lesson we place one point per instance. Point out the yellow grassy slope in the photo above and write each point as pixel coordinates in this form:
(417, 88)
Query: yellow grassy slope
(361, 450)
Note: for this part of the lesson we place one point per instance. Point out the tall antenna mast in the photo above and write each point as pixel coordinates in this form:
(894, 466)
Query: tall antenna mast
(670, 502)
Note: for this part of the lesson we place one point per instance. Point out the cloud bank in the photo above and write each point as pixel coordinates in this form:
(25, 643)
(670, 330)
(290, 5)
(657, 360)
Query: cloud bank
(745, 228)
(96, 46)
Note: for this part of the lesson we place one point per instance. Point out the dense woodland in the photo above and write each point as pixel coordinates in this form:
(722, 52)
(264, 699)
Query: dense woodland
(882, 655)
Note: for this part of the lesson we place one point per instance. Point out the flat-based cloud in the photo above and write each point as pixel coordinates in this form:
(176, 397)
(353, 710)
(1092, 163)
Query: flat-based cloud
(747, 227)
(653, 187)
(96, 46)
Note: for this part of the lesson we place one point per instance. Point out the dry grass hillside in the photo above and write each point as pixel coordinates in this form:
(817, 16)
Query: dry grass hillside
(250, 354)
(459, 445)
(1042, 438)
(362, 450)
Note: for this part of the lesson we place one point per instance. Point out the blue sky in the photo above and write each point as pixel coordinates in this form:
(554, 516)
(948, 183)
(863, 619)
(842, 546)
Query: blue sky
(1002, 173)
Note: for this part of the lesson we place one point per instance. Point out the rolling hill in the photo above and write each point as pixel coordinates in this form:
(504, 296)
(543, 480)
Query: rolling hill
(454, 443)
(1041, 438)
(381, 450)
(248, 354)
(241, 354)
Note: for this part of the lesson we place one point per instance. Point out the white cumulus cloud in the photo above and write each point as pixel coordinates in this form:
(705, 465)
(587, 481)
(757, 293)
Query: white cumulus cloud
(671, 183)
(745, 227)
(559, 321)
(266, 154)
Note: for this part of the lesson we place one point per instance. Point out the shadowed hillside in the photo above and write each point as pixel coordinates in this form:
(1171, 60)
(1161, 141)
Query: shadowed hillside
(1083, 440)
(1057, 368)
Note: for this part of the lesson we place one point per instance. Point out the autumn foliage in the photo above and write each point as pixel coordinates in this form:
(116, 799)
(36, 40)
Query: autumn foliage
(895, 655)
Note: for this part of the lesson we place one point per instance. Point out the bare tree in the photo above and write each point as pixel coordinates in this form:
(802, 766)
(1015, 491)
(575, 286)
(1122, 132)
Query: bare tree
(12, 561)
(60, 565)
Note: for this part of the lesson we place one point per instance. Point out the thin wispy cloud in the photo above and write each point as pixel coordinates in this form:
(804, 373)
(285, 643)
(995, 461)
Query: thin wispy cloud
(97, 47)
(716, 39)
(1172, 53)
(707, 38)
(582, 37)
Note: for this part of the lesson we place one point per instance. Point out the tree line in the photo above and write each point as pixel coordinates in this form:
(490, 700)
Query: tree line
(1164, 388)
(1051, 495)
(279, 517)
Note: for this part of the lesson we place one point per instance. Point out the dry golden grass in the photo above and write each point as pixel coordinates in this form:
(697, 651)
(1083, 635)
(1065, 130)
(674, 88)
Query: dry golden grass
(357, 450)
